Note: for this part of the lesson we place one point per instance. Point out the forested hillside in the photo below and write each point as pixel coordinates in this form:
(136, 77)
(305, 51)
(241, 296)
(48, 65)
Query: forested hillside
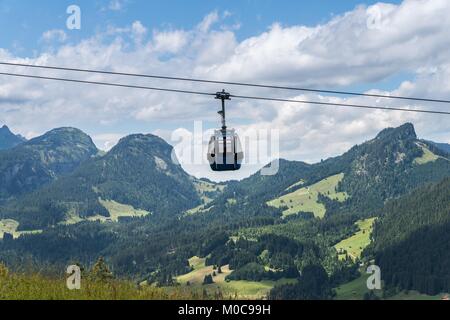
(392, 164)
(412, 240)
(283, 232)
(138, 172)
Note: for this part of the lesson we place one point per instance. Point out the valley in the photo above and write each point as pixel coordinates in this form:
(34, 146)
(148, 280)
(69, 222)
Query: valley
(265, 151)
(229, 289)
(298, 235)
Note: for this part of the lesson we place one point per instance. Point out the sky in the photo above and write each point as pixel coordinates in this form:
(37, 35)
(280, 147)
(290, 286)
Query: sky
(391, 47)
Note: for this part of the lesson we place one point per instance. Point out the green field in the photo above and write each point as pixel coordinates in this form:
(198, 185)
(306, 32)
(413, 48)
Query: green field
(355, 244)
(306, 199)
(10, 226)
(203, 188)
(116, 211)
(427, 156)
(230, 289)
(356, 289)
(200, 270)
(200, 209)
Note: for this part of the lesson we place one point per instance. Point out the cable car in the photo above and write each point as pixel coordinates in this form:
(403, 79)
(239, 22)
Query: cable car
(225, 150)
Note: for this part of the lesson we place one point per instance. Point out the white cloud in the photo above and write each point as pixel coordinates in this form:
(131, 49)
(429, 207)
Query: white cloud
(208, 21)
(138, 32)
(410, 38)
(345, 50)
(55, 34)
(116, 5)
(138, 28)
(170, 41)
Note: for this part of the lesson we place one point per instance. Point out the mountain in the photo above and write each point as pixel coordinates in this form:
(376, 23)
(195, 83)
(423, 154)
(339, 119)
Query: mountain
(442, 146)
(8, 139)
(137, 175)
(139, 172)
(391, 165)
(362, 179)
(280, 225)
(412, 240)
(42, 160)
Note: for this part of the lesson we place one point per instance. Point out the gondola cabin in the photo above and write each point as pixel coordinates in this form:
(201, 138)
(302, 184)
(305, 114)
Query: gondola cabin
(225, 151)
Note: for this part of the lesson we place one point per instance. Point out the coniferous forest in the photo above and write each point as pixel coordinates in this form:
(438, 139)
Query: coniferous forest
(237, 231)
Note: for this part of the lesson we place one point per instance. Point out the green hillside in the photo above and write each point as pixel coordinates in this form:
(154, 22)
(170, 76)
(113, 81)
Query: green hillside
(133, 206)
(427, 155)
(39, 287)
(135, 178)
(307, 199)
(380, 169)
(207, 192)
(116, 212)
(412, 240)
(11, 227)
(354, 245)
(357, 289)
(241, 289)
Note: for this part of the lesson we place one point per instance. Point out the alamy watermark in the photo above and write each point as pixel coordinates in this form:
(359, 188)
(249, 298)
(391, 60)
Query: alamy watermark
(74, 280)
(261, 147)
(374, 281)
(73, 22)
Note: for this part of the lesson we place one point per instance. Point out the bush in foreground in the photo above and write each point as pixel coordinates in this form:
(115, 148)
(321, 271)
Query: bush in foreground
(38, 287)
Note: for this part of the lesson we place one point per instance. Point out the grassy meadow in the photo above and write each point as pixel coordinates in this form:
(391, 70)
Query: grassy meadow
(307, 199)
(427, 156)
(38, 287)
(356, 289)
(11, 226)
(354, 245)
(229, 289)
(116, 211)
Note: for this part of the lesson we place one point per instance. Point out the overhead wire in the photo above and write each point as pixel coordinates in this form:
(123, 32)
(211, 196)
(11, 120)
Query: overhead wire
(103, 83)
(360, 106)
(246, 84)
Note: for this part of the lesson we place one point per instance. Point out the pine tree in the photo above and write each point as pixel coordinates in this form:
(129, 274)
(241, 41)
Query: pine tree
(100, 271)
(208, 280)
(3, 271)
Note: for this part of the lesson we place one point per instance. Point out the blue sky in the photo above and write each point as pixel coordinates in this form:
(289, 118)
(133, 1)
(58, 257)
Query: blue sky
(23, 22)
(326, 44)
